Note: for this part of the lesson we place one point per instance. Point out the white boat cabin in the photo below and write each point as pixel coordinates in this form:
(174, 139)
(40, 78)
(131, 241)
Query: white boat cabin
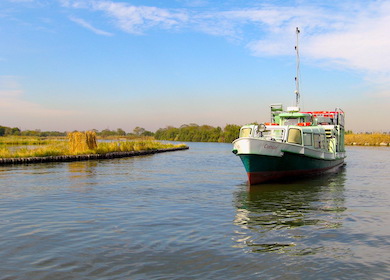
(318, 129)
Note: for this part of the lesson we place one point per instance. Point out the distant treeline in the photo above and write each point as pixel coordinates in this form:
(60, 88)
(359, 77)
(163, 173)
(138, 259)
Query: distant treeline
(8, 131)
(5, 131)
(15, 131)
(187, 132)
(199, 133)
(192, 133)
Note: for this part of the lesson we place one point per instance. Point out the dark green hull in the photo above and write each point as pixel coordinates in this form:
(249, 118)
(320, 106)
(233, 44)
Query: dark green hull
(262, 168)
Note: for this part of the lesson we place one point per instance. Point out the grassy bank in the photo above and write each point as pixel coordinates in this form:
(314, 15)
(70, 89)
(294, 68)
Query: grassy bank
(55, 147)
(376, 139)
(26, 140)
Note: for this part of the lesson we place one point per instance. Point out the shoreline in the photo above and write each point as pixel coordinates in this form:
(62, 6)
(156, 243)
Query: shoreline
(69, 158)
(368, 144)
(374, 139)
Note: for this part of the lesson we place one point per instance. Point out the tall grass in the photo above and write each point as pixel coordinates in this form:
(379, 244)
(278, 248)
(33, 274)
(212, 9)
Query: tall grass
(41, 151)
(82, 143)
(25, 140)
(137, 145)
(367, 139)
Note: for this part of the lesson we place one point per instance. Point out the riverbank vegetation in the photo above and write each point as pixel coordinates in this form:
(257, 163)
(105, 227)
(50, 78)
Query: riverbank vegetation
(197, 133)
(105, 133)
(186, 132)
(24, 140)
(78, 143)
(372, 139)
(205, 133)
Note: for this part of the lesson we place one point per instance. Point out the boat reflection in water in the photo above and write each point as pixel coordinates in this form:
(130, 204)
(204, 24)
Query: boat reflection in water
(297, 218)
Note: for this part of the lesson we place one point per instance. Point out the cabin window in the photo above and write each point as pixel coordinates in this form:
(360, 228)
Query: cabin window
(246, 132)
(307, 139)
(291, 121)
(323, 141)
(294, 136)
(276, 134)
(317, 141)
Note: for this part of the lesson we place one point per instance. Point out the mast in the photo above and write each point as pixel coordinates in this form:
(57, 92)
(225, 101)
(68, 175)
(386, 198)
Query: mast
(297, 93)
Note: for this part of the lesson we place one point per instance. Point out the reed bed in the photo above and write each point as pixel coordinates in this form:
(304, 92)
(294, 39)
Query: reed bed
(80, 143)
(41, 151)
(136, 145)
(376, 139)
(125, 137)
(25, 140)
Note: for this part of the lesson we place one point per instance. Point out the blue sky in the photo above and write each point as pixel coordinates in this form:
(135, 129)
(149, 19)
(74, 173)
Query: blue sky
(97, 64)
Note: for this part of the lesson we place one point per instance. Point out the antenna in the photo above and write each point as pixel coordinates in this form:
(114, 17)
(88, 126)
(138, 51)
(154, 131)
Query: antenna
(297, 94)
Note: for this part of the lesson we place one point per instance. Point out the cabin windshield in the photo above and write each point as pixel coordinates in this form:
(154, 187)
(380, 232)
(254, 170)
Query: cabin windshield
(274, 134)
(246, 132)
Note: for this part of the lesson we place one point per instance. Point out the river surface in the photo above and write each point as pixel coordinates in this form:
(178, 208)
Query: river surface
(190, 215)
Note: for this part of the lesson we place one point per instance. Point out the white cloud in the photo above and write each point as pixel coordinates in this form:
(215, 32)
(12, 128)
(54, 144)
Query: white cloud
(77, 4)
(364, 45)
(130, 18)
(85, 24)
(356, 40)
(352, 35)
(135, 19)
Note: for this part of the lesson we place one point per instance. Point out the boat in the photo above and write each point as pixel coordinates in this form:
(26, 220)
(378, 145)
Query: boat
(293, 143)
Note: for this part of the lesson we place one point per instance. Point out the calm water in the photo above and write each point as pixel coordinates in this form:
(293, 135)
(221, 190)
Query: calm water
(190, 215)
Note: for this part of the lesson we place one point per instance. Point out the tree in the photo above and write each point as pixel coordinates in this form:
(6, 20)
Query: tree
(147, 133)
(15, 131)
(195, 133)
(138, 130)
(105, 132)
(230, 132)
(121, 132)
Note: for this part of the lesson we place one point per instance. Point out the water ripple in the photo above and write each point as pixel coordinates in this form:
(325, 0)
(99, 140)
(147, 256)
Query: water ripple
(190, 215)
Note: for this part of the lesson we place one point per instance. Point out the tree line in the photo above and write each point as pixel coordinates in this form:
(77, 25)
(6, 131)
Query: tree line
(187, 132)
(198, 133)
(4, 131)
(15, 131)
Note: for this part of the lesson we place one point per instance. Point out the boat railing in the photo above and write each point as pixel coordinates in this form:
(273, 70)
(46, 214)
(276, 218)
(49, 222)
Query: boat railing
(273, 134)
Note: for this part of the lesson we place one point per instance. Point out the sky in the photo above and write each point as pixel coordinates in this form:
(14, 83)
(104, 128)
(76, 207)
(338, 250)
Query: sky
(105, 64)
